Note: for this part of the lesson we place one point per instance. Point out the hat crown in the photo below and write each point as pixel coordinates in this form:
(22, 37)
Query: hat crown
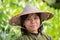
(30, 7)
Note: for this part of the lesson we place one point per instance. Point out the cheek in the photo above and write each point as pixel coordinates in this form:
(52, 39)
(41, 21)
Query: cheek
(38, 23)
(27, 24)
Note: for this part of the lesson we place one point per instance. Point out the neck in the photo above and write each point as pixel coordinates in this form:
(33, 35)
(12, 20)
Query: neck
(34, 32)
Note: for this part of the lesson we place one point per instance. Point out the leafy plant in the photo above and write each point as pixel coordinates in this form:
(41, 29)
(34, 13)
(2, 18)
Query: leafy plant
(9, 8)
(53, 3)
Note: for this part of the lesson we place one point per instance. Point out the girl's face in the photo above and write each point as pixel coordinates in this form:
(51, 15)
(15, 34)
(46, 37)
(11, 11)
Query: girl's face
(32, 23)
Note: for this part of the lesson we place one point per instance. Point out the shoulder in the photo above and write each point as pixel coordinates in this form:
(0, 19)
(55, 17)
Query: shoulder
(22, 37)
(48, 37)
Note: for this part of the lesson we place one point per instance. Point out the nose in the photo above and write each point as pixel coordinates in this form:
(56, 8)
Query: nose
(32, 21)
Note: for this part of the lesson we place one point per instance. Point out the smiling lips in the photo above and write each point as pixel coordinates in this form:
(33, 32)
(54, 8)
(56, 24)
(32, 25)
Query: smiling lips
(33, 26)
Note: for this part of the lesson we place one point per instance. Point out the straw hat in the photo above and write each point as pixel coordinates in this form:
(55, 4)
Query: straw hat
(29, 9)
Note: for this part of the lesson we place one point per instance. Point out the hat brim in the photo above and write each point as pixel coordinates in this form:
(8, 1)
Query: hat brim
(16, 19)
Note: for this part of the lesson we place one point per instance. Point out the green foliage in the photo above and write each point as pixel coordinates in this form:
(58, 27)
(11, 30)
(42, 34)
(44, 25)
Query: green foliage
(9, 8)
(53, 3)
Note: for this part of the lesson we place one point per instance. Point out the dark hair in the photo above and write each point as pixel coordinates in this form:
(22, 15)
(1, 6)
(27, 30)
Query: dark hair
(23, 18)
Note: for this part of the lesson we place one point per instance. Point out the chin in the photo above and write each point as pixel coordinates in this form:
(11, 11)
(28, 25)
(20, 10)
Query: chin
(34, 29)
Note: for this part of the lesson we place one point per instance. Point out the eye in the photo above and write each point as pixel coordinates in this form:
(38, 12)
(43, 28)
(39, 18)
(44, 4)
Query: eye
(27, 19)
(36, 17)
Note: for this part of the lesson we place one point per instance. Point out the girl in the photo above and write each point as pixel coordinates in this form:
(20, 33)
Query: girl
(30, 21)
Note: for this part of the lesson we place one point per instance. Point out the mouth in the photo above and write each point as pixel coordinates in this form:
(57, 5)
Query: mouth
(33, 26)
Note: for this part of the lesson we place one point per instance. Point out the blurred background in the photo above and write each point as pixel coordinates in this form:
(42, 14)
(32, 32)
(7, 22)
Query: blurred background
(10, 8)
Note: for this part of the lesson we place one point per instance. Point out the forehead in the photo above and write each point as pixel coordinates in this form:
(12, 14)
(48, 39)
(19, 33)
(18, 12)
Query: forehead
(31, 15)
